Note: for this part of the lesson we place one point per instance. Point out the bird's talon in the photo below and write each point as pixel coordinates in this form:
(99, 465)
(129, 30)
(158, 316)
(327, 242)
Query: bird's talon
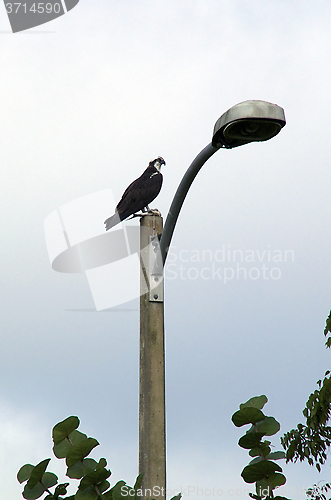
(154, 211)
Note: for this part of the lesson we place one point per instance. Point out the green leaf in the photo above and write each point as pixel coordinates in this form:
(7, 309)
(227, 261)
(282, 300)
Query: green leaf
(274, 479)
(247, 416)
(254, 452)
(102, 463)
(47, 481)
(103, 486)
(327, 324)
(137, 486)
(256, 472)
(251, 440)
(116, 491)
(64, 428)
(264, 449)
(61, 489)
(251, 474)
(177, 497)
(108, 495)
(37, 473)
(255, 460)
(138, 482)
(277, 480)
(33, 493)
(256, 402)
(276, 455)
(262, 486)
(269, 426)
(80, 450)
(24, 473)
(88, 494)
(94, 478)
(61, 450)
(80, 469)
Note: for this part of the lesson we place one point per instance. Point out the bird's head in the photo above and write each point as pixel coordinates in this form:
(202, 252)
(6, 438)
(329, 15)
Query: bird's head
(157, 163)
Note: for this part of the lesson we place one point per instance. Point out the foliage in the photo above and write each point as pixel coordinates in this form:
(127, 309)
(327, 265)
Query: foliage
(311, 441)
(262, 470)
(318, 492)
(74, 447)
(327, 330)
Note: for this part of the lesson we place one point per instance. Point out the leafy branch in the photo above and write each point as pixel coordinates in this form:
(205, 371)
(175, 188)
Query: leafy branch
(311, 441)
(262, 470)
(74, 447)
(317, 492)
(327, 330)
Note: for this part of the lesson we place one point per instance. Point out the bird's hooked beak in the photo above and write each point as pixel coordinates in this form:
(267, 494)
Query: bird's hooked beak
(159, 162)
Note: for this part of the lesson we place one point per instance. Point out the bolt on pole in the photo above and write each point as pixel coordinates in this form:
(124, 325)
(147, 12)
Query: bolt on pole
(152, 444)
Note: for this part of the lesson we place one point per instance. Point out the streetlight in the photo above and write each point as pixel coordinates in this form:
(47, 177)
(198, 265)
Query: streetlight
(248, 121)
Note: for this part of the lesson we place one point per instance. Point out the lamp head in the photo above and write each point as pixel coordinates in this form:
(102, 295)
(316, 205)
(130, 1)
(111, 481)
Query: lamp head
(248, 121)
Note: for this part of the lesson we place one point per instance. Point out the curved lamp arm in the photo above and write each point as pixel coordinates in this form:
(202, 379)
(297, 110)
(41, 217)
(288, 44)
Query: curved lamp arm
(180, 195)
(248, 121)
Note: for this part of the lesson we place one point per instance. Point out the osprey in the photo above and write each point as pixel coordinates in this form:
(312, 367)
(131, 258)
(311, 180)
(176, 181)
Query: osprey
(139, 194)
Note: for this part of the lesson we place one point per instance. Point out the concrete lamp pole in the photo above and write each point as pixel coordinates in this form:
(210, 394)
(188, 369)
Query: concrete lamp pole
(249, 121)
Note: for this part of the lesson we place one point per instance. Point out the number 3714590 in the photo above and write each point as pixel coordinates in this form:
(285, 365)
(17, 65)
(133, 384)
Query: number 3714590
(35, 8)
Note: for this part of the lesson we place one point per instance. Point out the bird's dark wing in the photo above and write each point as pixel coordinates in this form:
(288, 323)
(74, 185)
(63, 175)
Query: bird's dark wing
(139, 194)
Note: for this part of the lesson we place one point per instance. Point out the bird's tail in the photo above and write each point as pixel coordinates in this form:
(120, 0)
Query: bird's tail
(112, 221)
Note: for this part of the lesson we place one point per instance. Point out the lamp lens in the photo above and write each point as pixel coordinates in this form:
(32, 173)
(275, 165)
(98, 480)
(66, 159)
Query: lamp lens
(250, 130)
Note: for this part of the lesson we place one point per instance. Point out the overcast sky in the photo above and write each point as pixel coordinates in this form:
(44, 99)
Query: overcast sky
(86, 102)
